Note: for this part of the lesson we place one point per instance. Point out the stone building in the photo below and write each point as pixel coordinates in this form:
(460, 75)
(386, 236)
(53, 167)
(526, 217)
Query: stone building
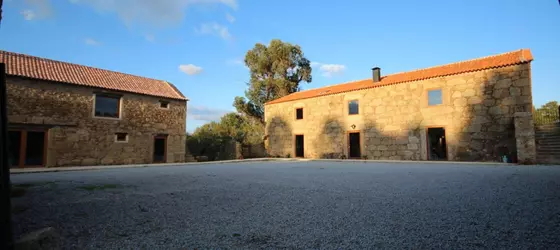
(460, 111)
(63, 114)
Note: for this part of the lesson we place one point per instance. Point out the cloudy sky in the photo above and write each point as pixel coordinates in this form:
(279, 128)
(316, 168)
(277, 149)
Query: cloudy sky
(199, 45)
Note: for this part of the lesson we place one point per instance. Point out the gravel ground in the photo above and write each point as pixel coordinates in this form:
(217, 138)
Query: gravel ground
(296, 205)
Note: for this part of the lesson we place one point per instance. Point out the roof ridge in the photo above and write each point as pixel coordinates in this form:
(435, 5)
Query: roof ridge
(519, 56)
(75, 64)
(420, 69)
(455, 63)
(41, 68)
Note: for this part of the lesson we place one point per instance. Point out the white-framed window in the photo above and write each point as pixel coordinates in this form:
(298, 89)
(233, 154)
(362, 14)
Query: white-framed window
(121, 137)
(163, 104)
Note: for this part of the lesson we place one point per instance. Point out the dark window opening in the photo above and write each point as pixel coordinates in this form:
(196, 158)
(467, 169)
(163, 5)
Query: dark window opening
(164, 104)
(121, 137)
(107, 106)
(437, 147)
(434, 97)
(299, 113)
(34, 148)
(14, 147)
(354, 150)
(26, 148)
(353, 107)
(299, 146)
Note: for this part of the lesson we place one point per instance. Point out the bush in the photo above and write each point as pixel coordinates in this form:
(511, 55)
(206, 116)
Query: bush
(342, 157)
(364, 157)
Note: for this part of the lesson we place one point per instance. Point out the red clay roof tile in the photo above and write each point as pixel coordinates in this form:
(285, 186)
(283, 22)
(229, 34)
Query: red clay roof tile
(56, 71)
(501, 60)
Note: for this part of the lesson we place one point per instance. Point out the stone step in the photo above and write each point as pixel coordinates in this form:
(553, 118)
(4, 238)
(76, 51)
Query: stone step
(547, 143)
(552, 130)
(548, 161)
(547, 137)
(548, 147)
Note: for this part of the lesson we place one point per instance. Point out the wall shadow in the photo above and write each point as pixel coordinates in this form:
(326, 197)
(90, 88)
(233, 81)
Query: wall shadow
(330, 143)
(489, 131)
(279, 141)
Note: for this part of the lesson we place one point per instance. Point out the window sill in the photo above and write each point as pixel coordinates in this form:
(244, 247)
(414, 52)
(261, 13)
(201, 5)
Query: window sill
(107, 118)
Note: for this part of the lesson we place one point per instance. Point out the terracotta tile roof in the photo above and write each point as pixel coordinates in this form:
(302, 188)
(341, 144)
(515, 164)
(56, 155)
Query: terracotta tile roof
(56, 71)
(501, 60)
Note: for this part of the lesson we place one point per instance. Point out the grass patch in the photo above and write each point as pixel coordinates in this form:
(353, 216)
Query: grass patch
(99, 187)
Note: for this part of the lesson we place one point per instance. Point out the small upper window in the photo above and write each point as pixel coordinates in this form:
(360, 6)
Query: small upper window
(107, 106)
(353, 107)
(121, 137)
(299, 113)
(163, 104)
(434, 97)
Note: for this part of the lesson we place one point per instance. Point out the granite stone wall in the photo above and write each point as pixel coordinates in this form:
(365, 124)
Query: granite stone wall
(75, 137)
(477, 114)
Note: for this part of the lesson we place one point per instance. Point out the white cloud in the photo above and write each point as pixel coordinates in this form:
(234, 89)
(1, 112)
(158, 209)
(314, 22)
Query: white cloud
(206, 114)
(150, 38)
(28, 15)
(92, 42)
(235, 62)
(37, 9)
(152, 12)
(190, 69)
(230, 18)
(329, 70)
(214, 29)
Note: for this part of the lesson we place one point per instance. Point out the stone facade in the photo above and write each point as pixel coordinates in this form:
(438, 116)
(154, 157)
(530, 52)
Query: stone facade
(525, 138)
(76, 137)
(477, 114)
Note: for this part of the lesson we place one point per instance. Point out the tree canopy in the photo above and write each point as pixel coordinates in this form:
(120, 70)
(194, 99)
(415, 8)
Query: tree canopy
(210, 138)
(547, 113)
(276, 71)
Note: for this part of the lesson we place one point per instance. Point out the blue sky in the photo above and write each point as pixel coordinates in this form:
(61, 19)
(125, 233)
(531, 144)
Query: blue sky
(199, 45)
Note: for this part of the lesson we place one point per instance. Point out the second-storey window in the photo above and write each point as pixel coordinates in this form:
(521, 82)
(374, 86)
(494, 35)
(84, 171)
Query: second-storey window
(299, 113)
(353, 107)
(107, 106)
(163, 104)
(434, 97)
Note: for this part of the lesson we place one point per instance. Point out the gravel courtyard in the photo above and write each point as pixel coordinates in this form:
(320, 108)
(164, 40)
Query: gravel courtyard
(296, 205)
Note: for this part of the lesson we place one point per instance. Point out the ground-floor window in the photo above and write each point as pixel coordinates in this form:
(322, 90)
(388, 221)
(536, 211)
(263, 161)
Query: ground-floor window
(27, 148)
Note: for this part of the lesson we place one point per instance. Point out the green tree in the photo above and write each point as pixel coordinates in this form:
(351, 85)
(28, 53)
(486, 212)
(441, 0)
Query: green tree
(234, 126)
(276, 71)
(547, 113)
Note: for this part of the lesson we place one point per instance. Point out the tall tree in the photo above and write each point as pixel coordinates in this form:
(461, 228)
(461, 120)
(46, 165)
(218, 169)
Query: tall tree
(276, 71)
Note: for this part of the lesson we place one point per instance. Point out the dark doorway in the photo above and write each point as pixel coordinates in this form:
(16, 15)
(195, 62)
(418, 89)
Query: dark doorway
(354, 145)
(26, 148)
(437, 148)
(160, 148)
(299, 146)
